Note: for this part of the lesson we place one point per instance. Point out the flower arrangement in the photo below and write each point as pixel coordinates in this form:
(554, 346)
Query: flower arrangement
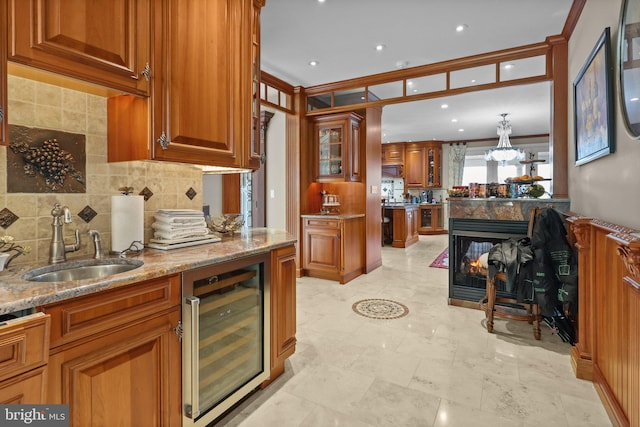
(7, 245)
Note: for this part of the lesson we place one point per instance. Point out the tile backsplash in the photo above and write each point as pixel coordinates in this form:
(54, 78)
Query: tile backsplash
(37, 104)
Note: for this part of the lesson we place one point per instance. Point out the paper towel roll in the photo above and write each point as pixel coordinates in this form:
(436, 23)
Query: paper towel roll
(127, 221)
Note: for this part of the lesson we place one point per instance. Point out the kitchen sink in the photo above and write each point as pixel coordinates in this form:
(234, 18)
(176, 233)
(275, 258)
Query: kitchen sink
(81, 270)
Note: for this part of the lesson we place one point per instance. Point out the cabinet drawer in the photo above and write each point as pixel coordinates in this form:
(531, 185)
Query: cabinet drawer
(324, 223)
(88, 315)
(24, 344)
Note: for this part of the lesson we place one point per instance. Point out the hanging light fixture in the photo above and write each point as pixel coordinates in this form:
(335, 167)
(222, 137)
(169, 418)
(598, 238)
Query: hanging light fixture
(504, 152)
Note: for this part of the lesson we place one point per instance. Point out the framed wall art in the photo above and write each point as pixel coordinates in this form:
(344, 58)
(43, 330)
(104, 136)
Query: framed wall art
(593, 104)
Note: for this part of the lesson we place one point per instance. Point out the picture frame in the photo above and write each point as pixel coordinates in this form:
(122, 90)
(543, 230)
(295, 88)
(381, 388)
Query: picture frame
(593, 104)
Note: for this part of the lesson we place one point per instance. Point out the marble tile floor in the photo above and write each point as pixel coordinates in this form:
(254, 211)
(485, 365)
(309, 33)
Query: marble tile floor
(435, 367)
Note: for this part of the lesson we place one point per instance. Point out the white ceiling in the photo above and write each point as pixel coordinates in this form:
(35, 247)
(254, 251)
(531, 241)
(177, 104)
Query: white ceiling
(342, 34)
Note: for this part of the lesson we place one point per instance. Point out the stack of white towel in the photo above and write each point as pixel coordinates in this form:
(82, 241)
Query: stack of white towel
(171, 224)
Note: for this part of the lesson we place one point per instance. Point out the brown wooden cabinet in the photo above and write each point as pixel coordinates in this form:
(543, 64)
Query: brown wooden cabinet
(205, 98)
(283, 308)
(333, 248)
(422, 165)
(430, 219)
(115, 358)
(3, 75)
(24, 352)
(404, 224)
(107, 43)
(337, 147)
(393, 154)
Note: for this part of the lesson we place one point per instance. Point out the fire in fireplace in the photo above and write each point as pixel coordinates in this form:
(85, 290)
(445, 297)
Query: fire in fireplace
(469, 243)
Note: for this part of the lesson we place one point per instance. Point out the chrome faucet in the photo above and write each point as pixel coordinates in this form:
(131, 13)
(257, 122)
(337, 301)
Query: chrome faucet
(57, 248)
(97, 243)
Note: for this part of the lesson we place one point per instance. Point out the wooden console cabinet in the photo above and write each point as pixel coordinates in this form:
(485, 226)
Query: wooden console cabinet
(333, 248)
(24, 353)
(115, 357)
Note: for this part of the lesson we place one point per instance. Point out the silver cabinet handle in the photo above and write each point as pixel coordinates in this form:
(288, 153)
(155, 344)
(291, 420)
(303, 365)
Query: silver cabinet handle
(192, 340)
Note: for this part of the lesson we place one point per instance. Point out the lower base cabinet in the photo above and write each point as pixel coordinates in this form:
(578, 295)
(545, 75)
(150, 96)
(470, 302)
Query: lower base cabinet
(283, 309)
(333, 248)
(430, 220)
(404, 224)
(24, 352)
(118, 362)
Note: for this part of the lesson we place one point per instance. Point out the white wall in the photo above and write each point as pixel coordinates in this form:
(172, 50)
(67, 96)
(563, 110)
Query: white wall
(606, 188)
(276, 173)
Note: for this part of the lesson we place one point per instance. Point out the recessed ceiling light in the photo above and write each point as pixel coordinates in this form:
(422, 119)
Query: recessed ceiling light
(415, 91)
(313, 63)
(409, 83)
(321, 1)
(380, 47)
(454, 120)
(460, 28)
(444, 106)
(508, 66)
(634, 99)
(460, 130)
(402, 64)
(473, 80)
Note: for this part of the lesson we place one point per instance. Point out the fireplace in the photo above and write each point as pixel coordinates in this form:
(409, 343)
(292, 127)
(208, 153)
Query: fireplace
(468, 240)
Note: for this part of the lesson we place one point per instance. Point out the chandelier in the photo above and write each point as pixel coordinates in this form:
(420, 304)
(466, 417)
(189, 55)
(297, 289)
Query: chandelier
(504, 152)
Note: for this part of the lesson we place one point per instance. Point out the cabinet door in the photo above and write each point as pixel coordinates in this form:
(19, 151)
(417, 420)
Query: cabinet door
(392, 154)
(130, 377)
(414, 171)
(27, 388)
(322, 246)
(205, 111)
(433, 166)
(3, 76)
(330, 150)
(103, 42)
(283, 308)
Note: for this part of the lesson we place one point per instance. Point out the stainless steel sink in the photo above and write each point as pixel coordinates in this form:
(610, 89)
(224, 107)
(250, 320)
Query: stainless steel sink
(81, 270)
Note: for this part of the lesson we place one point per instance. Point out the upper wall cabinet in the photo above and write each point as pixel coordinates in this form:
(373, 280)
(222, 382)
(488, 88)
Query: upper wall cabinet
(204, 105)
(337, 147)
(393, 154)
(422, 165)
(102, 42)
(3, 75)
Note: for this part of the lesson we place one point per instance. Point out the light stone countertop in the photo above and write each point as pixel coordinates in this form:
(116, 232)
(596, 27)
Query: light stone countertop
(17, 294)
(338, 216)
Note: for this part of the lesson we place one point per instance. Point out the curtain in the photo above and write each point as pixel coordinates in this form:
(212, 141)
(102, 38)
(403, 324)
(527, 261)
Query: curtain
(456, 163)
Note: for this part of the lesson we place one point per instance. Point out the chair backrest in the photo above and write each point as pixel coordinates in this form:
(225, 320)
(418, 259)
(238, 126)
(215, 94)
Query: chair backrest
(533, 215)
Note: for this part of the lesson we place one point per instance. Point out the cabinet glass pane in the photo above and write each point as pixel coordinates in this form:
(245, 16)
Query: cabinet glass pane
(425, 218)
(336, 151)
(325, 136)
(336, 167)
(324, 167)
(324, 151)
(335, 135)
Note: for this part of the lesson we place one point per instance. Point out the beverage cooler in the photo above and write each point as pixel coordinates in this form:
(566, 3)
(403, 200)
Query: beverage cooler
(226, 336)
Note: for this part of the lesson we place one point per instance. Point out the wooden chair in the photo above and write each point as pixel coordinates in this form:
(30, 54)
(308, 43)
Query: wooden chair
(514, 310)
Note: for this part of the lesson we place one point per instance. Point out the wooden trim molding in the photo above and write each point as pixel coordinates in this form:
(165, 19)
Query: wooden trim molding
(572, 18)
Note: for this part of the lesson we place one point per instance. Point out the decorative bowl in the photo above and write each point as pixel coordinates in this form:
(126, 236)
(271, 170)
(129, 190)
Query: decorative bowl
(225, 223)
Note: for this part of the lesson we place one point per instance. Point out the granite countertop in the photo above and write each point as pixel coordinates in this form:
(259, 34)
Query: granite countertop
(17, 294)
(400, 205)
(507, 199)
(338, 216)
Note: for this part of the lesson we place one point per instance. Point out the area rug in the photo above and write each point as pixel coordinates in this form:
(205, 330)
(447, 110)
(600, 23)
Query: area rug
(442, 261)
(380, 309)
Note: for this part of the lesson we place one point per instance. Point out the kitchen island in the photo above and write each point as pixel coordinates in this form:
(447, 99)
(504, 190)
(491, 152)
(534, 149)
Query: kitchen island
(403, 223)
